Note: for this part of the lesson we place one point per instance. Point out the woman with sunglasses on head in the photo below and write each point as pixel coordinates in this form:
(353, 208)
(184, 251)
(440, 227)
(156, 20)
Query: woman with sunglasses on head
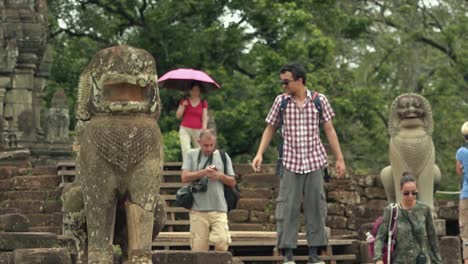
(416, 238)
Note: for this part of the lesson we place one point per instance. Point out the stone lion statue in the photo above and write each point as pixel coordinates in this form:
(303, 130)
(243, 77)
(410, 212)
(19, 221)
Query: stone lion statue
(120, 159)
(411, 148)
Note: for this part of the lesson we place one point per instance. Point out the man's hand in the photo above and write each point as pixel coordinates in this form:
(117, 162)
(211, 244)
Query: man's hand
(257, 163)
(340, 168)
(212, 173)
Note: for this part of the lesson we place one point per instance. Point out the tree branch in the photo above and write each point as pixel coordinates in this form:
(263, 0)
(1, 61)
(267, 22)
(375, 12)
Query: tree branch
(79, 35)
(437, 46)
(119, 11)
(243, 71)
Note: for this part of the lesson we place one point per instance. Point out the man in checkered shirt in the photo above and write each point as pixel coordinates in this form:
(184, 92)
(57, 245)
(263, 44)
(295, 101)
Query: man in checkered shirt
(304, 158)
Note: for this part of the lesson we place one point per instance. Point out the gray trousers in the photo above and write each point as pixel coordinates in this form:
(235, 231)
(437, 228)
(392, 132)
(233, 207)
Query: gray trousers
(294, 188)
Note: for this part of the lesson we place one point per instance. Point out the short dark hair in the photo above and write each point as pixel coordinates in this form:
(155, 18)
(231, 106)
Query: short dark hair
(406, 177)
(297, 70)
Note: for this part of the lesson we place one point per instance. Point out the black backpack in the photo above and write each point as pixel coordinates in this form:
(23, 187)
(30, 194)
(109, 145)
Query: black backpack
(231, 194)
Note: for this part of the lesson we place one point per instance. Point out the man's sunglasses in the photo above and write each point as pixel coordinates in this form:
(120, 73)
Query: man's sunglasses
(414, 193)
(286, 82)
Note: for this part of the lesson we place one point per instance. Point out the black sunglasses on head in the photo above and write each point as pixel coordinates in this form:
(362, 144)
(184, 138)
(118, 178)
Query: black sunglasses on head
(414, 193)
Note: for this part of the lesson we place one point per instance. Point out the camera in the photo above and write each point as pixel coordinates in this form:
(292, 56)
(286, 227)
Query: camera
(200, 185)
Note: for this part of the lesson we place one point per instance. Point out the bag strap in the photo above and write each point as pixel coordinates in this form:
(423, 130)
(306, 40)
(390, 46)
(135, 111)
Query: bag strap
(284, 103)
(392, 225)
(208, 161)
(222, 153)
(318, 105)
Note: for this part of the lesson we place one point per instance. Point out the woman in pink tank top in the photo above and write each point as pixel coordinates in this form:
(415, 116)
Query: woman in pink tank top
(194, 114)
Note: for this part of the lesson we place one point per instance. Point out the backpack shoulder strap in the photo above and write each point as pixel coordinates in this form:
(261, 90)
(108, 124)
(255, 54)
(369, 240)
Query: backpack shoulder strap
(283, 104)
(317, 103)
(223, 158)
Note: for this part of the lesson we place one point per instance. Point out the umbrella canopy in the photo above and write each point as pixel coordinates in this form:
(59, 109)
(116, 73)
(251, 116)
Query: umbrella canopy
(182, 79)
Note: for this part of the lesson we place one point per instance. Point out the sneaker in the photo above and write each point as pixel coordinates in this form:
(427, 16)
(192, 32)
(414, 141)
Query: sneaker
(315, 260)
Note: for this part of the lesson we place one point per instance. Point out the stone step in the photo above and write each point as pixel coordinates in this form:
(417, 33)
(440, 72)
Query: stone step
(47, 229)
(35, 182)
(39, 220)
(253, 203)
(34, 207)
(14, 223)
(4, 185)
(248, 227)
(177, 210)
(15, 240)
(34, 195)
(262, 180)
(172, 185)
(45, 170)
(189, 257)
(7, 172)
(256, 192)
(42, 255)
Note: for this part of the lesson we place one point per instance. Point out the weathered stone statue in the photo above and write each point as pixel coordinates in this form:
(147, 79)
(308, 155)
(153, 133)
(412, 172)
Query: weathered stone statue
(120, 155)
(411, 148)
(58, 118)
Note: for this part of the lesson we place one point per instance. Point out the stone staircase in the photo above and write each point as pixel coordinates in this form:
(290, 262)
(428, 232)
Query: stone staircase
(36, 192)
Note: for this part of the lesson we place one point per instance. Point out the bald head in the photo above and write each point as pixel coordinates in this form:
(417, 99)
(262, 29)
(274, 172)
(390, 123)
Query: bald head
(207, 133)
(207, 141)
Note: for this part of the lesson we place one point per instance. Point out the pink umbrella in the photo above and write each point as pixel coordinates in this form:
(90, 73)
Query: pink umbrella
(182, 79)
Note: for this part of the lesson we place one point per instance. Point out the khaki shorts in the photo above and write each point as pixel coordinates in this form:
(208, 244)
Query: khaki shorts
(206, 227)
(463, 223)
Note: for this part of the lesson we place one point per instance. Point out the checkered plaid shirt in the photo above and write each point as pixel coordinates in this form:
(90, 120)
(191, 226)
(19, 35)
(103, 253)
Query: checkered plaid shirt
(303, 150)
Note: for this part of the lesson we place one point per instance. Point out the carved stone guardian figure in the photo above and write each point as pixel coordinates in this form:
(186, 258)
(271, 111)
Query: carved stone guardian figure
(58, 118)
(120, 155)
(411, 148)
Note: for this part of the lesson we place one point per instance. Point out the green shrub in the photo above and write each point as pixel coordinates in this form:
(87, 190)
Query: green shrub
(171, 146)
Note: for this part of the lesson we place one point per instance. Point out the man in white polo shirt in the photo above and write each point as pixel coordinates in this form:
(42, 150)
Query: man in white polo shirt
(208, 217)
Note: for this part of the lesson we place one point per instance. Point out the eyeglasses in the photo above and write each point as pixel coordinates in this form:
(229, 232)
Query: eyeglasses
(414, 193)
(286, 82)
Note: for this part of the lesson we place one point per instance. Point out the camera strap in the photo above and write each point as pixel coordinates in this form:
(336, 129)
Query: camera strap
(208, 161)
